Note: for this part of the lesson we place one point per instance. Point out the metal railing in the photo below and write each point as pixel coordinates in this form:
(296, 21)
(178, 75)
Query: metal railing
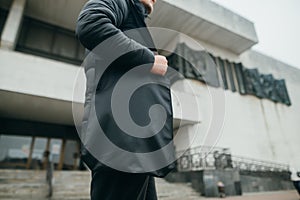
(249, 164)
(205, 157)
(197, 158)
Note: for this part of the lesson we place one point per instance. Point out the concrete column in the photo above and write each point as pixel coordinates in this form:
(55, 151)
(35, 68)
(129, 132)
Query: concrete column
(62, 155)
(12, 25)
(30, 153)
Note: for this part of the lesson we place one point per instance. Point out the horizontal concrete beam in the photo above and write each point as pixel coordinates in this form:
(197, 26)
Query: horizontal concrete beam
(37, 76)
(201, 19)
(206, 21)
(35, 88)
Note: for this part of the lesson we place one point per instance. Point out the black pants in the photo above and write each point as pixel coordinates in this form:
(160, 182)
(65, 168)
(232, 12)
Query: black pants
(297, 186)
(115, 185)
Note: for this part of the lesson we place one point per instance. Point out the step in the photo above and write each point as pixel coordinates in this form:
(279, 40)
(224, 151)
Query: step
(22, 184)
(175, 191)
(73, 185)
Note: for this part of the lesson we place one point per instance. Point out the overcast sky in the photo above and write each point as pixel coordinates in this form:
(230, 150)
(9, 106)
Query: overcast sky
(277, 24)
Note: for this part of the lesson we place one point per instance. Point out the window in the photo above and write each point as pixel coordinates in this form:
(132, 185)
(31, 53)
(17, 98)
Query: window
(14, 151)
(46, 40)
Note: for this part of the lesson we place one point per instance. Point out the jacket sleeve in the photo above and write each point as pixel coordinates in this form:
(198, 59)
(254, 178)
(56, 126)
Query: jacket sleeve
(100, 19)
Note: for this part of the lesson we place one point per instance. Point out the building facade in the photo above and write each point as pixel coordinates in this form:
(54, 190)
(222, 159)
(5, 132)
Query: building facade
(247, 102)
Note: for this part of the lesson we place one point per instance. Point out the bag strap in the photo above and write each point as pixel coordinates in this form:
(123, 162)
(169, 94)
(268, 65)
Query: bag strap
(146, 32)
(136, 16)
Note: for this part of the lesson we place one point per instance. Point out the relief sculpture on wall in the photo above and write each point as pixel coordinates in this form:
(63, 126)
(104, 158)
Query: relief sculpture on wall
(202, 66)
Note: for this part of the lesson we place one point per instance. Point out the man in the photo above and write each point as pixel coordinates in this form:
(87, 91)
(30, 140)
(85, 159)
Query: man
(295, 178)
(99, 21)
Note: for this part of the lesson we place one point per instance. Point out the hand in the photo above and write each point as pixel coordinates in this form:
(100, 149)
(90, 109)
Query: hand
(160, 65)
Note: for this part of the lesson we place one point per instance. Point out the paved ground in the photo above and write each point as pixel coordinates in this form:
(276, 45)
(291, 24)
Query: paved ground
(181, 191)
(280, 195)
(74, 185)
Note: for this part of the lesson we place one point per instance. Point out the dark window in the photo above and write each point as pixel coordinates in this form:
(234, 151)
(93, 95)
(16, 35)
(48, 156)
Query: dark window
(230, 75)
(221, 65)
(46, 40)
(3, 17)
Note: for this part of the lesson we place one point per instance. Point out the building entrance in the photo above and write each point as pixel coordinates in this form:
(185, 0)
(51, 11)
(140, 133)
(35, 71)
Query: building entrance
(32, 152)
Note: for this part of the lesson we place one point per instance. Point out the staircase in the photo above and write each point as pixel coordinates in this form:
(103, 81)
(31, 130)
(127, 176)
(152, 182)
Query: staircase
(72, 185)
(175, 191)
(22, 185)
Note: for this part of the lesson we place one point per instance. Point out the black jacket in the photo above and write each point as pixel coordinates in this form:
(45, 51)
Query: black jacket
(106, 28)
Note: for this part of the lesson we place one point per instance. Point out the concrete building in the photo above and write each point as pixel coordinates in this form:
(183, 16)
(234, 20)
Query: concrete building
(256, 118)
